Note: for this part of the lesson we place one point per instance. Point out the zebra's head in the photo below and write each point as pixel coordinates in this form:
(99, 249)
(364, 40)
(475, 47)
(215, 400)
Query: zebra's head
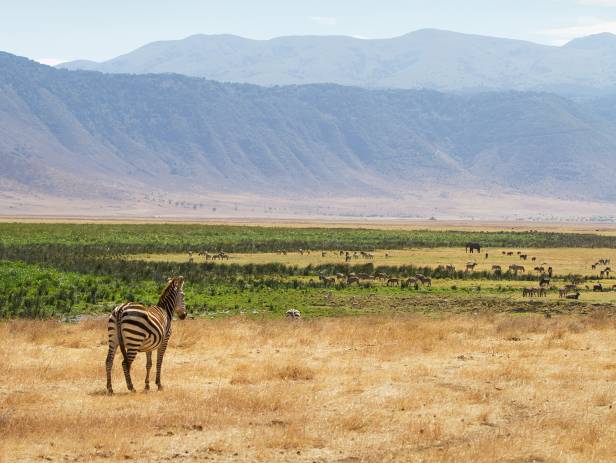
(177, 284)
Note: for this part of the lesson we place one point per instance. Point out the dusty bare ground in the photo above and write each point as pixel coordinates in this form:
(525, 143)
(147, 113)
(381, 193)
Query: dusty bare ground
(463, 388)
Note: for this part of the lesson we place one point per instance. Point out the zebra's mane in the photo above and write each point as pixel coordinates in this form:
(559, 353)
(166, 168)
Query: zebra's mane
(168, 297)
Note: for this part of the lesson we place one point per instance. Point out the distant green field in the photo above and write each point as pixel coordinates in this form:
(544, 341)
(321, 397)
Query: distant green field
(136, 238)
(55, 270)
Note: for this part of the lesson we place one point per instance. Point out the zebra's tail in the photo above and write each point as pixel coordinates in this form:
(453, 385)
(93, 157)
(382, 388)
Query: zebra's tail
(119, 333)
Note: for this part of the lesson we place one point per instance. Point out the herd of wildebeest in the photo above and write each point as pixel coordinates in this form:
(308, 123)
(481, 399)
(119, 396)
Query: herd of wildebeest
(543, 270)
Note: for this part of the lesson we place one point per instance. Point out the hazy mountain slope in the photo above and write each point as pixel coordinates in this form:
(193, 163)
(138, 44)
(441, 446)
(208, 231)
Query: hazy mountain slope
(433, 59)
(114, 132)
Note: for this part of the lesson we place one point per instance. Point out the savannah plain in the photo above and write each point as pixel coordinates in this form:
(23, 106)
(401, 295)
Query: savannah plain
(464, 370)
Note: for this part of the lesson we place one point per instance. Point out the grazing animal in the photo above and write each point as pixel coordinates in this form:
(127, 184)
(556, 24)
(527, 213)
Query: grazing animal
(352, 279)
(382, 276)
(470, 265)
(544, 282)
(393, 282)
(450, 268)
(565, 290)
(573, 296)
(523, 256)
(510, 253)
(340, 276)
(504, 253)
(516, 268)
(530, 292)
(327, 280)
(597, 288)
(533, 259)
(542, 292)
(550, 272)
(471, 247)
(136, 328)
(424, 279)
(412, 281)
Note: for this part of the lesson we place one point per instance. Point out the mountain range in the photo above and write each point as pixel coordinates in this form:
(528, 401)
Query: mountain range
(425, 59)
(106, 136)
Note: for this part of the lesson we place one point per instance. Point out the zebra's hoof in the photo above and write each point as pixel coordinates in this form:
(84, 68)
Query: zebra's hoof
(147, 387)
(109, 391)
(160, 387)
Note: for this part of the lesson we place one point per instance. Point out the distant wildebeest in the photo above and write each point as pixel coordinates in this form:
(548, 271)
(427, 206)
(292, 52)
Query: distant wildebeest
(510, 253)
(523, 256)
(470, 265)
(487, 255)
(544, 282)
(530, 292)
(424, 279)
(542, 292)
(412, 282)
(597, 288)
(516, 268)
(381, 276)
(393, 282)
(550, 272)
(472, 247)
(573, 296)
(450, 268)
(496, 267)
(533, 259)
(327, 280)
(352, 279)
(566, 290)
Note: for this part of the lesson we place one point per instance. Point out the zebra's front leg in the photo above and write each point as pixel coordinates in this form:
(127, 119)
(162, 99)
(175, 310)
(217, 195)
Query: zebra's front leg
(109, 366)
(159, 363)
(148, 367)
(126, 366)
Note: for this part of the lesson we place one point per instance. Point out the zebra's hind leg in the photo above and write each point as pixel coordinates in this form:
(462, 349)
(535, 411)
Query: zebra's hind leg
(159, 362)
(126, 366)
(109, 366)
(148, 367)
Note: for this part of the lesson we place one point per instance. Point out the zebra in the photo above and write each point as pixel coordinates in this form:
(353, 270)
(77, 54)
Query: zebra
(137, 328)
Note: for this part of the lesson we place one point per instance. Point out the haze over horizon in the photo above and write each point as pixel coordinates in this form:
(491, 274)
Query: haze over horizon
(52, 33)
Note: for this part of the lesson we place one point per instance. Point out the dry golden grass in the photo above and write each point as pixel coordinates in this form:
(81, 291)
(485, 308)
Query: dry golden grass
(456, 389)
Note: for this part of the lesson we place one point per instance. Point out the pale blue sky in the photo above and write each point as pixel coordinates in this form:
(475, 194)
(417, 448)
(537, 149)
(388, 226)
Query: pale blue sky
(62, 30)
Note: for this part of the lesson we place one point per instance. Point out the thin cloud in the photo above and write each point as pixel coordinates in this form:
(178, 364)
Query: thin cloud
(597, 2)
(324, 20)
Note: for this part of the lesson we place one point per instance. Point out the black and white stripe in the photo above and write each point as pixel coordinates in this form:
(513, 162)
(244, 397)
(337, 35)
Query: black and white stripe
(136, 328)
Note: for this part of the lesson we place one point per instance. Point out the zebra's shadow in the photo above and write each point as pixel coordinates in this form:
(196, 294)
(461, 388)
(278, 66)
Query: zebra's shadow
(103, 392)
